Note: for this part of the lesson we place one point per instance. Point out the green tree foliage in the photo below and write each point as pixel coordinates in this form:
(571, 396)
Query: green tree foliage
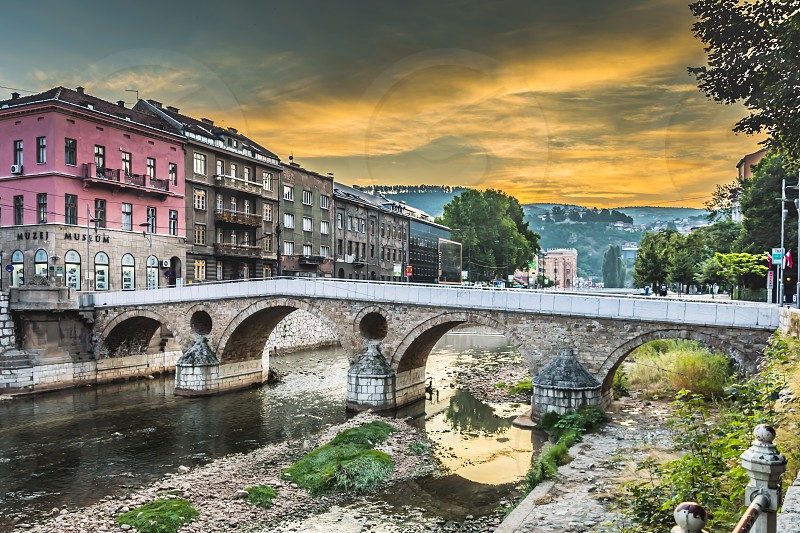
(709, 272)
(655, 256)
(613, 268)
(742, 269)
(718, 237)
(491, 228)
(753, 51)
(720, 206)
(761, 208)
(683, 266)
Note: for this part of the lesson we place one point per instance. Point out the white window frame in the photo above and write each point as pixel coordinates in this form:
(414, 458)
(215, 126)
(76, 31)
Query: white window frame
(308, 225)
(308, 198)
(288, 193)
(324, 201)
(324, 227)
(288, 221)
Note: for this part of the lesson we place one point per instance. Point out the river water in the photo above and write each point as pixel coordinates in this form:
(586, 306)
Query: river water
(74, 447)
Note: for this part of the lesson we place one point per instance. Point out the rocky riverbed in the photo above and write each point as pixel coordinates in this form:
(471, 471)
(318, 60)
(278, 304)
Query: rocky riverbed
(215, 489)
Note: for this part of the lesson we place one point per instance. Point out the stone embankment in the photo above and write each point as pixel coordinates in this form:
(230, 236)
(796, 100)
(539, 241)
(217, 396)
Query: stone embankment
(300, 331)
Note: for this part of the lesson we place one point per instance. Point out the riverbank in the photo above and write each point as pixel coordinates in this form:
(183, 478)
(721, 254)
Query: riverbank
(215, 489)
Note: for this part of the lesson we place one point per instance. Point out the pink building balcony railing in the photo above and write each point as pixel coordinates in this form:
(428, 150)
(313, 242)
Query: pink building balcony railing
(125, 179)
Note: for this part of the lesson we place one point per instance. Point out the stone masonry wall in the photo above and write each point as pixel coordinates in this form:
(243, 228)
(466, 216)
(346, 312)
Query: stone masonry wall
(300, 331)
(7, 339)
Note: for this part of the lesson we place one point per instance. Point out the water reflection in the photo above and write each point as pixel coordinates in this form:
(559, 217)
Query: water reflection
(468, 414)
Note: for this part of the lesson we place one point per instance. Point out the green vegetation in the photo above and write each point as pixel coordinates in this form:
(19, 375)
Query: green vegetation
(567, 429)
(261, 495)
(667, 366)
(614, 270)
(159, 516)
(753, 53)
(523, 387)
(714, 436)
(347, 462)
(418, 448)
(490, 226)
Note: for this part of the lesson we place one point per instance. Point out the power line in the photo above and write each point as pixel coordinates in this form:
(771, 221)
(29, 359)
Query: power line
(15, 89)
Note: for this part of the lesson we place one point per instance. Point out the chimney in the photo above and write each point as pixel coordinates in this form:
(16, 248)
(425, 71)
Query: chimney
(207, 121)
(121, 103)
(14, 96)
(232, 130)
(155, 103)
(79, 90)
(173, 109)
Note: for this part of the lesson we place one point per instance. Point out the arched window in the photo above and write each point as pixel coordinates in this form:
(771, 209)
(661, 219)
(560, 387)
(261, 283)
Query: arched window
(128, 273)
(72, 265)
(40, 263)
(18, 274)
(101, 271)
(152, 272)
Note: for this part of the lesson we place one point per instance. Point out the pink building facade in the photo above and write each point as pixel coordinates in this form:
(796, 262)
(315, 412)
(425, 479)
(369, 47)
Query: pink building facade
(561, 266)
(91, 194)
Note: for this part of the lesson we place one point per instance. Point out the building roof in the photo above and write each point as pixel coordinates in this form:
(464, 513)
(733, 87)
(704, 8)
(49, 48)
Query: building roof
(566, 372)
(204, 127)
(354, 194)
(77, 97)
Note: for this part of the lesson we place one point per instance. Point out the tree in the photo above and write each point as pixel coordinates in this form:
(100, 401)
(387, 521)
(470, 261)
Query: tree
(613, 268)
(720, 206)
(709, 272)
(740, 268)
(761, 207)
(490, 226)
(683, 267)
(753, 51)
(655, 257)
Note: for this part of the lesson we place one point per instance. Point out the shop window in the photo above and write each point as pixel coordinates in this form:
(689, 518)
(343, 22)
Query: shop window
(128, 273)
(101, 271)
(72, 268)
(40, 263)
(18, 272)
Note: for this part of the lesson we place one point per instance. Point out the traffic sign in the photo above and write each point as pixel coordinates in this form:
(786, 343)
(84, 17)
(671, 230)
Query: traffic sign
(777, 255)
(9, 268)
(770, 279)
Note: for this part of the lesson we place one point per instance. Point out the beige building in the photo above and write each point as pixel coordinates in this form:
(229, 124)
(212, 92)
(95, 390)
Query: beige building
(560, 265)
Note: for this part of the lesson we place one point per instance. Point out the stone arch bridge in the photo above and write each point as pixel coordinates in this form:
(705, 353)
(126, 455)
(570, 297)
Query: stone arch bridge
(388, 330)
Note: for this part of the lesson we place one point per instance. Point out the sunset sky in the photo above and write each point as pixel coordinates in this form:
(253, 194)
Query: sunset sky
(585, 102)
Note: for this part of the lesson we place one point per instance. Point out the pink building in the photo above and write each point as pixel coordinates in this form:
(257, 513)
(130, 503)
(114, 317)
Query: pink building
(561, 266)
(91, 193)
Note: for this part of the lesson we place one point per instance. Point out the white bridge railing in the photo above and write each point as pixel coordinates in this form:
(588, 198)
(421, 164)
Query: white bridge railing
(678, 311)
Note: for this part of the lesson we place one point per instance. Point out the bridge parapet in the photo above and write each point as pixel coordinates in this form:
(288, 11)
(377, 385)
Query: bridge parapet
(677, 311)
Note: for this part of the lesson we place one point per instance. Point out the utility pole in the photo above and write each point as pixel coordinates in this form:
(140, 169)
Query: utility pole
(783, 251)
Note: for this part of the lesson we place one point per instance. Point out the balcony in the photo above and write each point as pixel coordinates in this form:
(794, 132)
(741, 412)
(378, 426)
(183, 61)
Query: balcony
(238, 184)
(238, 218)
(311, 260)
(355, 260)
(117, 179)
(237, 250)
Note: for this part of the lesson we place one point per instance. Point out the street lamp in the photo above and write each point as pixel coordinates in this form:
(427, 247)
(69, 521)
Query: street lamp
(147, 234)
(89, 220)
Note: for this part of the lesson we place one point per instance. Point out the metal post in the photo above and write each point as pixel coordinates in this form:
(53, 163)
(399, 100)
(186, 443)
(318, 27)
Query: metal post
(783, 221)
(765, 468)
(86, 274)
(797, 251)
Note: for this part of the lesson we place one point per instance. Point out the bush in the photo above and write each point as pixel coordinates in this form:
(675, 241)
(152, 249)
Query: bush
(620, 386)
(159, 516)
(346, 462)
(523, 387)
(261, 495)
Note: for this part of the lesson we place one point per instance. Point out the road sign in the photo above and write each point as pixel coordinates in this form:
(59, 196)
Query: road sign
(770, 279)
(9, 268)
(409, 270)
(777, 255)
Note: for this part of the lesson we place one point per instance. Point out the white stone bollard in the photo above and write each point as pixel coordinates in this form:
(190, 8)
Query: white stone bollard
(765, 467)
(690, 517)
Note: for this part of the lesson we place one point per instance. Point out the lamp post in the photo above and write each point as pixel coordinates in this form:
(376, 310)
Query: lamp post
(147, 234)
(784, 212)
(797, 251)
(89, 219)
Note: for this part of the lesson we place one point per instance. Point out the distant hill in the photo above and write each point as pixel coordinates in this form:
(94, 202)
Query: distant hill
(591, 239)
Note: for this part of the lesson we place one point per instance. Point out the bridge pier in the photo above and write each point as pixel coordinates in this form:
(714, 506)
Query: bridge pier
(564, 385)
(199, 373)
(371, 382)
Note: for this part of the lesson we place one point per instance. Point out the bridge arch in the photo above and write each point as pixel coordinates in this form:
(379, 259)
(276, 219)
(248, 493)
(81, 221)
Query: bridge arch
(615, 359)
(133, 333)
(246, 335)
(412, 352)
